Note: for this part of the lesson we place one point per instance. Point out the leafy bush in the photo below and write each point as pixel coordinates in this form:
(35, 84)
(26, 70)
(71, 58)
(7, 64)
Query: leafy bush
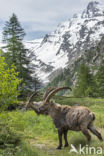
(8, 84)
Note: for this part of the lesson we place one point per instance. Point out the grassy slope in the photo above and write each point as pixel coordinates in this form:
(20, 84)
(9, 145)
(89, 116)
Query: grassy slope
(29, 134)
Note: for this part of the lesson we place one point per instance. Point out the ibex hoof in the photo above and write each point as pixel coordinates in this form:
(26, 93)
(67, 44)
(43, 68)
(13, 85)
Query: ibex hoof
(66, 145)
(59, 147)
(101, 139)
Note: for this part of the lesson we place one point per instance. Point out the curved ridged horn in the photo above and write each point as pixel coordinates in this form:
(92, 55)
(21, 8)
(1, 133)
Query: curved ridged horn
(29, 99)
(54, 91)
(48, 91)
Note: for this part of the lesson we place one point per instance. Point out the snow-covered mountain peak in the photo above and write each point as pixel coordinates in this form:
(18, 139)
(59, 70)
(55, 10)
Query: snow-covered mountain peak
(93, 9)
(61, 48)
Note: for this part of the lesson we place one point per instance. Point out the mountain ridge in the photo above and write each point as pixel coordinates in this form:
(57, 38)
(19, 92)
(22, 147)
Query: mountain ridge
(67, 43)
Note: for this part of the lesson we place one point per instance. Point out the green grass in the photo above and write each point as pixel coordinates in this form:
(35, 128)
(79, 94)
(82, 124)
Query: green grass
(23, 133)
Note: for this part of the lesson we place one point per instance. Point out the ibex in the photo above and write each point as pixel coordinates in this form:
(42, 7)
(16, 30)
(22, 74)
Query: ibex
(76, 118)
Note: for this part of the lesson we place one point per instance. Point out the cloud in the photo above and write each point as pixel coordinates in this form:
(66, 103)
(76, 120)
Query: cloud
(41, 15)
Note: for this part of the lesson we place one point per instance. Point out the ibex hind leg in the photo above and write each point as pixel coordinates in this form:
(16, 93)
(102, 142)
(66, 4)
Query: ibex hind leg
(95, 132)
(86, 133)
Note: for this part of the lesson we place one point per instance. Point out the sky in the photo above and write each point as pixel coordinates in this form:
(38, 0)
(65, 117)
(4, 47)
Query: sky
(39, 17)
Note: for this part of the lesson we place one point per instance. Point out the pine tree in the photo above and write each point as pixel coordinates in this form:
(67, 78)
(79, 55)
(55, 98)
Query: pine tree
(85, 82)
(13, 35)
(100, 80)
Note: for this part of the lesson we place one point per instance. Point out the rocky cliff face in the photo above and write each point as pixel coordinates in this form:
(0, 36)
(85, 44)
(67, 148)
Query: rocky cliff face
(68, 42)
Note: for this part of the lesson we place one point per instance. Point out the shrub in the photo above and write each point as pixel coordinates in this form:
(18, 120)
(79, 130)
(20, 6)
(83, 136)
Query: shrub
(8, 84)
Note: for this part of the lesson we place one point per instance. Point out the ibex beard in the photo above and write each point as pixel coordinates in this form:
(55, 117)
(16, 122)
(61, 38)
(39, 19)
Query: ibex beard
(76, 118)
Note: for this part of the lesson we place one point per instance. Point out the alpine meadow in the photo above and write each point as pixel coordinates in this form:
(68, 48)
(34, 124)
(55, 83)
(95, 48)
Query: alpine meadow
(51, 80)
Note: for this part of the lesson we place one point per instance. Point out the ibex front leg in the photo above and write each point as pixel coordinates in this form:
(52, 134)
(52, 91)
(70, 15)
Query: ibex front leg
(65, 137)
(60, 132)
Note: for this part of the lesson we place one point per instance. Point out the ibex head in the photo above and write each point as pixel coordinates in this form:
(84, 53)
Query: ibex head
(42, 107)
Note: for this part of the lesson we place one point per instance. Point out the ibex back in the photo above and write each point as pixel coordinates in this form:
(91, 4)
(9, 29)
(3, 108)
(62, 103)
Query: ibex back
(76, 118)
